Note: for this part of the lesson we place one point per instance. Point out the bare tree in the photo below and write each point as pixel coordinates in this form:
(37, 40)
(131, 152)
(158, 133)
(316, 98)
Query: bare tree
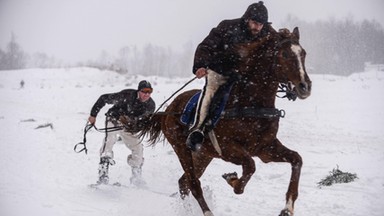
(14, 57)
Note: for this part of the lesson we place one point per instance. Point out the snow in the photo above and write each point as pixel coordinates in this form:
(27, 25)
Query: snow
(341, 124)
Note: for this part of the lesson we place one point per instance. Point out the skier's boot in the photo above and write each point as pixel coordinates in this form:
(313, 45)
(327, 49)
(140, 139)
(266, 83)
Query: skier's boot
(136, 177)
(103, 170)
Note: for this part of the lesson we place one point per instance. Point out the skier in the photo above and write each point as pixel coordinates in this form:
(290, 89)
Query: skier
(131, 108)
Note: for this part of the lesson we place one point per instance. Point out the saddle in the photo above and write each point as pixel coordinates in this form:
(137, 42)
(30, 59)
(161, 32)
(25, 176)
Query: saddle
(188, 115)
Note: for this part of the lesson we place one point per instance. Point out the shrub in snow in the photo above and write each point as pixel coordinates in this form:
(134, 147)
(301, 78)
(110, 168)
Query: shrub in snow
(337, 176)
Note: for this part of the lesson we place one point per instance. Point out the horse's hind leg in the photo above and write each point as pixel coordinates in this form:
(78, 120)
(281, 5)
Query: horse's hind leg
(277, 152)
(249, 168)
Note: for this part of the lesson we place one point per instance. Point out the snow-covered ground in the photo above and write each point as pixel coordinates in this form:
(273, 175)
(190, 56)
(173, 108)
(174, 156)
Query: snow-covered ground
(341, 124)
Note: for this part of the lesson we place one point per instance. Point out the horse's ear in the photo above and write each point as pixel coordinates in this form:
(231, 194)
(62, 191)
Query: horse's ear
(296, 33)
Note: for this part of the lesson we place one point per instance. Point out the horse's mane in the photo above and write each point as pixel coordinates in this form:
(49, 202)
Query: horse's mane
(269, 41)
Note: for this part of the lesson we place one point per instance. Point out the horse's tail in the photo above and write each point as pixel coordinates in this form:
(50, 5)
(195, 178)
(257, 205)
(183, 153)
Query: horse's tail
(152, 129)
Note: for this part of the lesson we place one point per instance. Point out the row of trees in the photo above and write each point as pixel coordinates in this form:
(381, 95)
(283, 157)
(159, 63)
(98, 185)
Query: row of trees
(14, 57)
(340, 46)
(150, 60)
(334, 47)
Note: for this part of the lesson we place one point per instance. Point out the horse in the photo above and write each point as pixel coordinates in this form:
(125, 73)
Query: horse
(249, 124)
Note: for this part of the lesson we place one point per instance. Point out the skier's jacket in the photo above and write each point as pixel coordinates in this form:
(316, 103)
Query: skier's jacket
(127, 104)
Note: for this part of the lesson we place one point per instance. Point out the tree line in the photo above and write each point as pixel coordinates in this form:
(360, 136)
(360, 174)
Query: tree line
(333, 47)
(340, 46)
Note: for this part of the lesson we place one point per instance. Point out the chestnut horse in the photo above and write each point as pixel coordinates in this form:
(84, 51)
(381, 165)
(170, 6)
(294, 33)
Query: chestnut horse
(250, 121)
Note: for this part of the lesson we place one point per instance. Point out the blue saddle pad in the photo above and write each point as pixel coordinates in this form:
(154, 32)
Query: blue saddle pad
(188, 115)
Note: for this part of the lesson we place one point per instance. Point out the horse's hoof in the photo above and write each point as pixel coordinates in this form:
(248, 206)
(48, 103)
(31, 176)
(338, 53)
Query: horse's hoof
(183, 194)
(285, 212)
(208, 213)
(229, 177)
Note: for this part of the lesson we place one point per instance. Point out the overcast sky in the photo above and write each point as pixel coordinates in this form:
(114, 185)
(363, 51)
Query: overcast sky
(80, 29)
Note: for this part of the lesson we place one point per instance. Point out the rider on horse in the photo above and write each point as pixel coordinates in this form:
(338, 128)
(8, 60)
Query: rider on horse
(216, 60)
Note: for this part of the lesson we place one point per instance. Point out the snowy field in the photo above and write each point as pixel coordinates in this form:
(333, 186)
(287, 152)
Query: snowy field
(341, 124)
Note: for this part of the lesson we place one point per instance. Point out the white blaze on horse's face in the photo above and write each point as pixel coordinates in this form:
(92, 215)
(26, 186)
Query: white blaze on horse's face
(296, 49)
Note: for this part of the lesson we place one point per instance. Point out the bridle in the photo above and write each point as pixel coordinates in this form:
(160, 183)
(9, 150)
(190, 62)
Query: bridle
(285, 86)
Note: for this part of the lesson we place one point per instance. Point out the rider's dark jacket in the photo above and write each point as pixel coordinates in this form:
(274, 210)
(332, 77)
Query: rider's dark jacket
(215, 51)
(125, 103)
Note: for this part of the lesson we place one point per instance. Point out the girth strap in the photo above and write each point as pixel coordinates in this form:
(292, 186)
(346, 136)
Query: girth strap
(253, 112)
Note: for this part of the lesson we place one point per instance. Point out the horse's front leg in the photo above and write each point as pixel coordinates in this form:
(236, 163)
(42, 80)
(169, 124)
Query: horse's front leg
(190, 181)
(277, 152)
(293, 189)
(238, 184)
(200, 164)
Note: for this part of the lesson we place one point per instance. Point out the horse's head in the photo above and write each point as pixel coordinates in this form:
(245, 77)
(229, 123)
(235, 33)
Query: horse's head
(275, 58)
(290, 62)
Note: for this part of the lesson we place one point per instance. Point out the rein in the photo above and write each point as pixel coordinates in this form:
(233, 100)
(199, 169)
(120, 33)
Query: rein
(187, 83)
(89, 127)
(253, 112)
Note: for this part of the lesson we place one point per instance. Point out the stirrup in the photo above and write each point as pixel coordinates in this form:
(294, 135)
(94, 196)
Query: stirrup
(195, 140)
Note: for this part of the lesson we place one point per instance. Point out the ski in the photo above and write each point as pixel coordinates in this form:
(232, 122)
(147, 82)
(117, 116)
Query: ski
(146, 188)
(97, 185)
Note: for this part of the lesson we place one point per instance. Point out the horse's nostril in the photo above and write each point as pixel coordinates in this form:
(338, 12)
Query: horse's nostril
(303, 86)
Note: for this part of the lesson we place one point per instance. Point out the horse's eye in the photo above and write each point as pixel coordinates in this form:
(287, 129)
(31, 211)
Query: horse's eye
(284, 54)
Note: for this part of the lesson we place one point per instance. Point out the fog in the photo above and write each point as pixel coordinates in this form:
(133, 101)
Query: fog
(78, 30)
